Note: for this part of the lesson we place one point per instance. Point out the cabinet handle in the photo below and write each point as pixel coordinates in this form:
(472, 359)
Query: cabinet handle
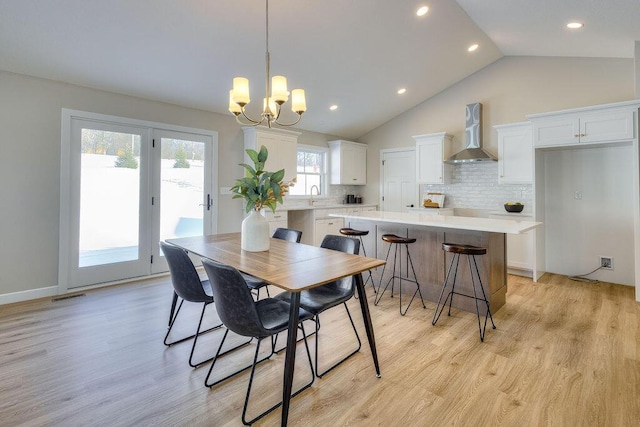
(355, 179)
(582, 134)
(330, 223)
(277, 216)
(501, 176)
(576, 135)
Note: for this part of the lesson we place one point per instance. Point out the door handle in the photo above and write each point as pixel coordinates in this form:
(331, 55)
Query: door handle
(208, 204)
(409, 206)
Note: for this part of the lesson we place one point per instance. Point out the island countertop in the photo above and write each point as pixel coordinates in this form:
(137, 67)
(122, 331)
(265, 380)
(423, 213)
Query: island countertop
(507, 226)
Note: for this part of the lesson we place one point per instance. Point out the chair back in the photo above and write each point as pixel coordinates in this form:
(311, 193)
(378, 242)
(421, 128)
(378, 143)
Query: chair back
(343, 244)
(288, 234)
(184, 276)
(234, 303)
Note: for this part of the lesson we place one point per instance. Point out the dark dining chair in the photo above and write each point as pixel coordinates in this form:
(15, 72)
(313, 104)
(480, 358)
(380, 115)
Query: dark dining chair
(288, 234)
(242, 315)
(187, 286)
(322, 298)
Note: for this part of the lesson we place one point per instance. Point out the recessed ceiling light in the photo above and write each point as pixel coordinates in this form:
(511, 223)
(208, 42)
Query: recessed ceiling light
(333, 107)
(401, 91)
(472, 47)
(575, 25)
(422, 11)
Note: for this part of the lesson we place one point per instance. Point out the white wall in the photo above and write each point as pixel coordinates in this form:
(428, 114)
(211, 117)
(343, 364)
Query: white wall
(599, 224)
(30, 120)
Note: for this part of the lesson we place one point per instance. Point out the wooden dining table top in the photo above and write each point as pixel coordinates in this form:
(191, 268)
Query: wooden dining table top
(293, 267)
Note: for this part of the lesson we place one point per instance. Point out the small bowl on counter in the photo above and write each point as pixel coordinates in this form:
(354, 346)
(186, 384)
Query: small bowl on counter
(513, 207)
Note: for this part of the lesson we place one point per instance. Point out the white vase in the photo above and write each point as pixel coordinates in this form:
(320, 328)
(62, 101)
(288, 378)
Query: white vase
(255, 233)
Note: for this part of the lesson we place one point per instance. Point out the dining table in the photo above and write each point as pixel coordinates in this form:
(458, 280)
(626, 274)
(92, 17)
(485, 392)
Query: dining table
(293, 267)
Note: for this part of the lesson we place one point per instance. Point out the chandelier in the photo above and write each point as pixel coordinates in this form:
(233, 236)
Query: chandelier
(276, 95)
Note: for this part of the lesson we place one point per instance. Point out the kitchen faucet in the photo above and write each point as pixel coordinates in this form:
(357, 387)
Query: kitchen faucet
(311, 193)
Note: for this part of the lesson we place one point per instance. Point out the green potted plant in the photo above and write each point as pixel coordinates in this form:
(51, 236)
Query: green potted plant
(260, 189)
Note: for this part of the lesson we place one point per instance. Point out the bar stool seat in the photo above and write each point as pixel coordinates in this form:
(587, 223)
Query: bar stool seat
(471, 252)
(392, 238)
(397, 241)
(352, 232)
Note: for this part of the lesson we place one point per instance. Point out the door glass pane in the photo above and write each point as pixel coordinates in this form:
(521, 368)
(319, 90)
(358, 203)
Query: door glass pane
(109, 197)
(181, 188)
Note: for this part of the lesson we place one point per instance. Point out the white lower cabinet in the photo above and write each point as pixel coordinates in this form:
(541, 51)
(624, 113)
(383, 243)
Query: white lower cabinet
(520, 247)
(315, 223)
(326, 226)
(277, 219)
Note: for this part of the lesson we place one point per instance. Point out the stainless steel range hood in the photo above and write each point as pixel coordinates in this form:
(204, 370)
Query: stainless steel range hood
(473, 135)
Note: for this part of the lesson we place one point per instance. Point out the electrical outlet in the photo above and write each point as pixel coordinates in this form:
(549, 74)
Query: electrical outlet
(577, 195)
(606, 262)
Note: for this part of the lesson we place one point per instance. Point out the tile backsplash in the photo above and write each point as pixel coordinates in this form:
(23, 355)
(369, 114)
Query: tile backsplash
(475, 186)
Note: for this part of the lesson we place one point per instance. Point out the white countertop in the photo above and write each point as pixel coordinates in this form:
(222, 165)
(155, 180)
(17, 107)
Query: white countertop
(510, 226)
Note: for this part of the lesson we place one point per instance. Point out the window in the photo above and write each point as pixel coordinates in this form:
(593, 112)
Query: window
(312, 170)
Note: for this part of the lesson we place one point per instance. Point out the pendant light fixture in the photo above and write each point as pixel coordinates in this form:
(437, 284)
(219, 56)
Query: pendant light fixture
(276, 95)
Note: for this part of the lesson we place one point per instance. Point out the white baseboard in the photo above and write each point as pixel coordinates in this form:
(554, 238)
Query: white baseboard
(28, 295)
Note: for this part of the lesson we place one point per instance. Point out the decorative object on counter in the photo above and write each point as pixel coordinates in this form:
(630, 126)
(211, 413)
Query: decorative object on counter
(260, 189)
(513, 207)
(272, 103)
(359, 199)
(349, 199)
(433, 200)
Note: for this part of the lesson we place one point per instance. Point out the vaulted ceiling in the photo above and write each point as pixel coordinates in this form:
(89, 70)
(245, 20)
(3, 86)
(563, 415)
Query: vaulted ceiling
(355, 54)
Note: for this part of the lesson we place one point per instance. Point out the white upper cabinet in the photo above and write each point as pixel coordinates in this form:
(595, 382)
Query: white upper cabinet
(348, 163)
(431, 151)
(515, 153)
(591, 125)
(281, 144)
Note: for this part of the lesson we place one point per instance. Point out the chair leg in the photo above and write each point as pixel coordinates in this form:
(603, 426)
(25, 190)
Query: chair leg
(277, 405)
(437, 313)
(320, 375)
(415, 279)
(220, 353)
(195, 339)
(166, 337)
(379, 295)
(481, 329)
(174, 300)
(370, 278)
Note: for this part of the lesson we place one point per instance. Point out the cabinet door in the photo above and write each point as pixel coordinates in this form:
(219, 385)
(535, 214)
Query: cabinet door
(429, 166)
(515, 162)
(353, 165)
(327, 226)
(606, 126)
(520, 251)
(550, 132)
(282, 147)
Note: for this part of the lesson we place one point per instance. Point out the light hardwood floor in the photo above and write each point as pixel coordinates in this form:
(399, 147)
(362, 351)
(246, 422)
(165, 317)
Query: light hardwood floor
(564, 354)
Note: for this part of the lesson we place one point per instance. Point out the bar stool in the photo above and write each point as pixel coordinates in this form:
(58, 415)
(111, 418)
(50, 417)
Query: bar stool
(471, 252)
(347, 231)
(397, 241)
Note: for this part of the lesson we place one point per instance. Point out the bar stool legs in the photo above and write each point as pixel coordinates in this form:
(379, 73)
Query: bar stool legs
(396, 242)
(470, 252)
(347, 231)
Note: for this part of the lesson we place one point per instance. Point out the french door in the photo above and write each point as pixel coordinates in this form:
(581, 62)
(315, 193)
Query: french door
(125, 187)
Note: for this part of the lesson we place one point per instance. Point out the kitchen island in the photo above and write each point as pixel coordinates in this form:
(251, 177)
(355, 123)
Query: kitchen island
(431, 262)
